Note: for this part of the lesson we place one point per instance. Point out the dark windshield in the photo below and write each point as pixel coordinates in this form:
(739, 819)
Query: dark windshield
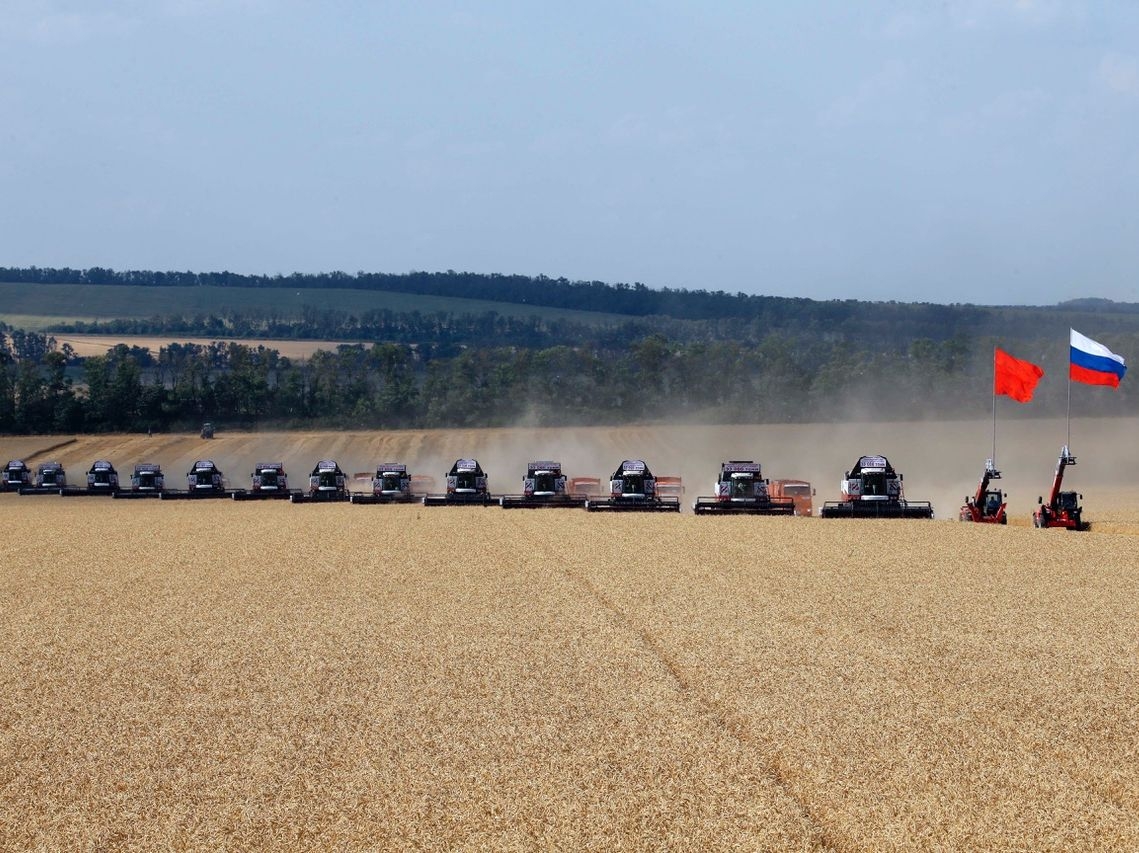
(465, 480)
(873, 484)
(269, 478)
(390, 483)
(328, 479)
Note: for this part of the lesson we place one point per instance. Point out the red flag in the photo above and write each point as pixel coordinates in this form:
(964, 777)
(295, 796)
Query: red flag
(1014, 377)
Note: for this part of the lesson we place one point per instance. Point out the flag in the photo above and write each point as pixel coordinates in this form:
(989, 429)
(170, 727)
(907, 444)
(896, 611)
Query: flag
(1014, 377)
(1094, 363)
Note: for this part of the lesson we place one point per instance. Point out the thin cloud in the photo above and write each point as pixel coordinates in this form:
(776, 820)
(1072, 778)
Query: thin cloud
(1120, 73)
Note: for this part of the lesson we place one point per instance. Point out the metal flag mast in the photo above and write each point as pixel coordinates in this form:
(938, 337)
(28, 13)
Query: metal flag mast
(994, 460)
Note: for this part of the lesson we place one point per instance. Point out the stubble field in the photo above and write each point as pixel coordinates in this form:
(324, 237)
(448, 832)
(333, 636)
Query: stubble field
(212, 675)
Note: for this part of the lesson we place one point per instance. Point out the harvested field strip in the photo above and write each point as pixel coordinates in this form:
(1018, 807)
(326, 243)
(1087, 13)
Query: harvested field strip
(394, 678)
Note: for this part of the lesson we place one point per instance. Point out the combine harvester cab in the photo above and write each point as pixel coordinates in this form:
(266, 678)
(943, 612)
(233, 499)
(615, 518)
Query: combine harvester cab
(873, 489)
(987, 506)
(102, 479)
(799, 492)
(267, 482)
(392, 484)
(203, 480)
(467, 484)
(50, 479)
(742, 490)
(544, 486)
(632, 488)
(16, 476)
(147, 481)
(1063, 508)
(326, 483)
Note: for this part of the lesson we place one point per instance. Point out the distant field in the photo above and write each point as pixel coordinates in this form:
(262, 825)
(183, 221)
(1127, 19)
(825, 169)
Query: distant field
(88, 345)
(219, 675)
(33, 306)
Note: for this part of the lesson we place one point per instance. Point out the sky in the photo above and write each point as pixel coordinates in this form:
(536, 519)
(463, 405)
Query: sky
(982, 151)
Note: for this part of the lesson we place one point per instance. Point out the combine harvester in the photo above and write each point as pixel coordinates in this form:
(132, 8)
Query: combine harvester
(16, 476)
(873, 489)
(544, 487)
(466, 485)
(987, 506)
(632, 488)
(50, 479)
(1063, 508)
(742, 490)
(268, 481)
(102, 480)
(203, 480)
(147, 481)
(390, 485)
(327, 483)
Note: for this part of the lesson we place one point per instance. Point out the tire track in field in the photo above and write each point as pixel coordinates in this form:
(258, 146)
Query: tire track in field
(822, 836)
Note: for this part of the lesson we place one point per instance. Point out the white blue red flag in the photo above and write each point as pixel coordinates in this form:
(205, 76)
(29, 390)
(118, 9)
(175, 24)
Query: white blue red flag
(1093, 363)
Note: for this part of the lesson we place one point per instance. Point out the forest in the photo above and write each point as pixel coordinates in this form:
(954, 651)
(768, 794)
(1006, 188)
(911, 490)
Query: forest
(799, 361)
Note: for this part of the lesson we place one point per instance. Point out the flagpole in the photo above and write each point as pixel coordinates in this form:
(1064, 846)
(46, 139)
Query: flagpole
(994, 407)
(1069, 442)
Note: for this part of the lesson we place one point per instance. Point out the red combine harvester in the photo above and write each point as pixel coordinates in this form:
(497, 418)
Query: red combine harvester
(987, 506)
(1063, 508)
(873, 489)
(742, 490)
(544, 486)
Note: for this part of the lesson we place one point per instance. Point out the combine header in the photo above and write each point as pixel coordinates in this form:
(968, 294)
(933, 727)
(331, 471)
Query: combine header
(102, 479)
(1063, 508)
(147, 481)
(267, 482)
(742, 490)
(50, 479)
(873, 489)
(544, 486)
(466, 484)
(392, 484)
(632, 488)
(203, 480)
(16, 476)
(987, 506)
(326, 483)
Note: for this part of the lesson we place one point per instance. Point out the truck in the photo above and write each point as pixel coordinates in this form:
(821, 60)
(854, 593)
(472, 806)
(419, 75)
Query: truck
(799, 491)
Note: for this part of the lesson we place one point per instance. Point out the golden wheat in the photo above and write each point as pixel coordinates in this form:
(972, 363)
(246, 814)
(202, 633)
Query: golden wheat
(209, 675)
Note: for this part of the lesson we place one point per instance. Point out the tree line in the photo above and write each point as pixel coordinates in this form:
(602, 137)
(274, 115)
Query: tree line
(45, 388)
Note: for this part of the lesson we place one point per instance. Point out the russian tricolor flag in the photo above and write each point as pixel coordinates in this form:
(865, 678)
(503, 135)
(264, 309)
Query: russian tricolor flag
(1093, 363)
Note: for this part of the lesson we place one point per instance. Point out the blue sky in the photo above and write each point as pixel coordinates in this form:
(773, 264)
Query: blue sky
(918, 151)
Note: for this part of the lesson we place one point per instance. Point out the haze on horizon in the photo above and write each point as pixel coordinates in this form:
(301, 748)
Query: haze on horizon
(968, 151)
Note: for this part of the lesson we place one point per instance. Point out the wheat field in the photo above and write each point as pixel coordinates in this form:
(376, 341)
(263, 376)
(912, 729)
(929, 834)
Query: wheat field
(212, 675)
